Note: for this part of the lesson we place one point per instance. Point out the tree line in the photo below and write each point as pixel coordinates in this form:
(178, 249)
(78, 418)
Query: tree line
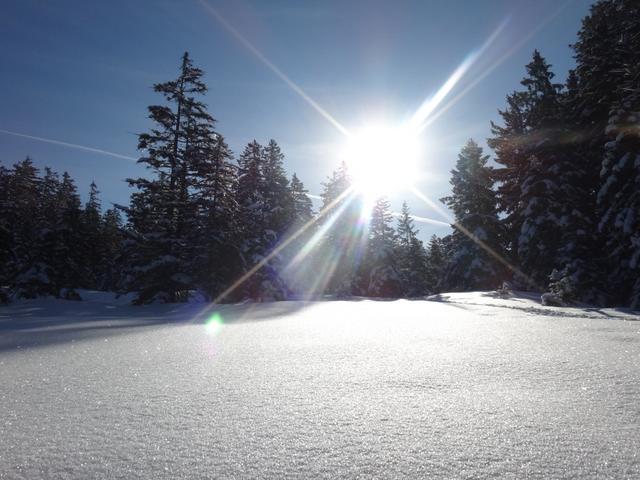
(558, 212)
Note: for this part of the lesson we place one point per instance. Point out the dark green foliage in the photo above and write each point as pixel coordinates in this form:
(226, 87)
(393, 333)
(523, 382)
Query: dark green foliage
(412, 260)
(477, 230)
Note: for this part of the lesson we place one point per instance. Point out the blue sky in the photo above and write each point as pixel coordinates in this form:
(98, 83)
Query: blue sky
(82, 72)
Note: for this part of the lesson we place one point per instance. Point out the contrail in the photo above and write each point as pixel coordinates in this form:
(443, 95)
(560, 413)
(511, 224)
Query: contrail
(260, 56)
(69, 145)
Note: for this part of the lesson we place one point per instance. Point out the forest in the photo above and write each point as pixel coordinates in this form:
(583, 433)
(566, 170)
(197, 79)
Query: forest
(555, 208)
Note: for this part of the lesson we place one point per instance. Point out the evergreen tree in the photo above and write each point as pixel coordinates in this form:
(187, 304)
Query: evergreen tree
(29, 200)
(93, 254)
(259, 238)
(618, 196)
(219, 260)
(477, 227)
(111, 242)
(276, 192)
(436, 264)
(380, 273)
(338, 257)
(301, 203)
(6, 234)
(411, 256)
(163, 215)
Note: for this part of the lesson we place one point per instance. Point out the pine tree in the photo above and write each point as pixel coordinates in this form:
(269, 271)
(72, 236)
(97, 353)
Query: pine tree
(112, 240)
(276, 190)
(302, 205)
(338, 258)
(259, 238)
(477, 227)
(381, 276)
(6, 236)
(542, 184)
(411, 256)
(436, 264)
(164, 213)
(27, 268)
(218, 258)
(618, 196)
(92, 240)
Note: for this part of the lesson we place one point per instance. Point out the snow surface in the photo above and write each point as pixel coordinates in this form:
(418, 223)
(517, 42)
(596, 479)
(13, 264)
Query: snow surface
(463, 386)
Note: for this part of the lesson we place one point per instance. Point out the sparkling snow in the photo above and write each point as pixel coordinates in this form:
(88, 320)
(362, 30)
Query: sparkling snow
(464, 386)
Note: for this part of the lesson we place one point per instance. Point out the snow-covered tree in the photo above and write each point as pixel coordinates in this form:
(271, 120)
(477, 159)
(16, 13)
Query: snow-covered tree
(218, 258)
(411, 256)
(163, 212)
(380, 272)
(339, 254)
(258, 237)
(618, 197)
(436, 264)
(477, 230)
(302, 205)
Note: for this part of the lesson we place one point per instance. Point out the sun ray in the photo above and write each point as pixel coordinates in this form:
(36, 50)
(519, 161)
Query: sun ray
(271, 66)
(428, 106)
(315, 239)
(517, 46)
(282, 245)
(473, 237)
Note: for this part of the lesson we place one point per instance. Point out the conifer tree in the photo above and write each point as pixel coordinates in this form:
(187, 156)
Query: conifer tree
(92, 240)
(112, 240)
(436, 264)
(341, 248)
(276, 190)
(219, 260)
(477, 227)
(618, 195)
(379, 267)
(31, 198)
(258, 236)
(411, 256)
(163, 212)
(301, 203)
(6, 236)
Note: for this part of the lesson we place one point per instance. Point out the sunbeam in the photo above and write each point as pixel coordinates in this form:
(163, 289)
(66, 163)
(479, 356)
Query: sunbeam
(69, 145)
(422, 114)
(281, 246)
(517, 46)
(473, 237)
(313, 241)
(269, 64)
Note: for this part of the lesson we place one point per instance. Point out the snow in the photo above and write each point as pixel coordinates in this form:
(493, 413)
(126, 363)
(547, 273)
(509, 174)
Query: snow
(467, 385)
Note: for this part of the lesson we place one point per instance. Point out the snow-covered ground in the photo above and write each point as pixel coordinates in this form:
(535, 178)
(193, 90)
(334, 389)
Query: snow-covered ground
(468, 386)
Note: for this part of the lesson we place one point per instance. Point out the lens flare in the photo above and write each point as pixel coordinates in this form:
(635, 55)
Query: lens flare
(214, 324)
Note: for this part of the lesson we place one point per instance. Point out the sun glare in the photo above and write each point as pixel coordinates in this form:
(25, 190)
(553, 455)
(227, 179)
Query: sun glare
(382, 159)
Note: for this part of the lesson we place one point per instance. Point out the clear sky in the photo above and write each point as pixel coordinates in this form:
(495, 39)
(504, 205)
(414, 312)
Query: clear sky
(82, 72)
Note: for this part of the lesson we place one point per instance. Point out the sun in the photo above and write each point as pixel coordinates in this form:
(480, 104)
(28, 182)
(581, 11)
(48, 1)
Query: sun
(382, 159)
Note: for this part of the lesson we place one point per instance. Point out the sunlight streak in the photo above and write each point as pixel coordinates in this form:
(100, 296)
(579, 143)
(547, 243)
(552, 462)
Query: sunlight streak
(315, 239)
(419, 219)
(280, 247)
(260, 56)
(69, 145)
(517, 46)
(419, 118)
(477, 240)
